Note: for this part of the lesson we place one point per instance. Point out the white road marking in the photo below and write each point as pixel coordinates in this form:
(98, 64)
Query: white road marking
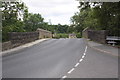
(77, 64)
(80, 60)
(64, 77)
(71, 70)
(86, 49)
(83, 56)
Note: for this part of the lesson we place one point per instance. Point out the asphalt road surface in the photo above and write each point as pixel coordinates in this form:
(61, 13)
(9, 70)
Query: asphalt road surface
(60, 58)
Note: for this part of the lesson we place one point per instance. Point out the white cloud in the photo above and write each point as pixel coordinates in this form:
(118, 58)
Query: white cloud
(59, 11)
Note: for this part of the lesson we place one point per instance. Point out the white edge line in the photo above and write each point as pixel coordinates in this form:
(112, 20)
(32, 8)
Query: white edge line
(71, 70)
(77, 64)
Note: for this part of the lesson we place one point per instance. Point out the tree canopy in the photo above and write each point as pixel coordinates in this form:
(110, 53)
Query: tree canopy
(12, 15)
(33, 22)
(98, 16)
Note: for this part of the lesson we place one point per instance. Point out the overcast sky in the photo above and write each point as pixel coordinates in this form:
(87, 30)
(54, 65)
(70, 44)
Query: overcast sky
(58, 11)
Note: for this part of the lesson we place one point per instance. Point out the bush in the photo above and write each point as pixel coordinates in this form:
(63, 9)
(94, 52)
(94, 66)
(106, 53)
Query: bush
(18, 27)
(78, 35)
(61, 35)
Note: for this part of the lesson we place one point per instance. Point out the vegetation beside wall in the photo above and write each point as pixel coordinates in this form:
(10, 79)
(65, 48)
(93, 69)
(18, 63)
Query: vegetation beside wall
(78, 35)
(98, 16)
(60, 35)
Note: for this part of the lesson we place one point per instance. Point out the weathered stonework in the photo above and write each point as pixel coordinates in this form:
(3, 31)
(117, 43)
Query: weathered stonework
(98, 36)
(6, 45)
(85, 32)
(19, 38)
(95, 35)
(44, 33)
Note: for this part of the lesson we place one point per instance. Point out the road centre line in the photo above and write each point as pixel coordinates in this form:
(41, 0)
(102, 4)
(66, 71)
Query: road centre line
(80, 60)
(86, 49)
(76, 64)
(83, 56)
(71, 70)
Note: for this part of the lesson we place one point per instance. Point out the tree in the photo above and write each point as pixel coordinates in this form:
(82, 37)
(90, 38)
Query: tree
(13, 10)
(71, 29)
(33, 22)
(12, 15)
(108, 16)
(99, 16)
(62, 28)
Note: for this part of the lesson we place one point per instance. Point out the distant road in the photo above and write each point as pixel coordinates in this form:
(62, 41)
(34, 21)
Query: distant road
(60, 58)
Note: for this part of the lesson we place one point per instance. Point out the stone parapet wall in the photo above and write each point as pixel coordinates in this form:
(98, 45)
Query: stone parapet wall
(44, 33)
(19, 38)
(85, 32)
(98, 36)
(95, 35)
(6, 45)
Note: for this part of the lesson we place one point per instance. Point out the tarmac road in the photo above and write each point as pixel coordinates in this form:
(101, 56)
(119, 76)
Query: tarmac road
(60, 58)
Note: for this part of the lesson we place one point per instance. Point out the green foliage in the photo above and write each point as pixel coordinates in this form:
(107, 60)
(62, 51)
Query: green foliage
(16, 27)
(109, 17)
(62, 28)
(78, 35)
(58, 28)
(11, 10)
(11, 21)
(61, 35)
(98, 16)
(71, 29)
(33, 22)
(84, 19)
